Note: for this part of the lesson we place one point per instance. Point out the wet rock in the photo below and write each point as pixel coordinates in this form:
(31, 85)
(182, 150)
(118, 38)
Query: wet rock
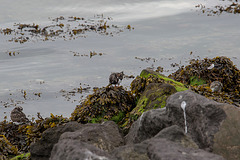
(68, 149)
(104, 136)
(41, 150)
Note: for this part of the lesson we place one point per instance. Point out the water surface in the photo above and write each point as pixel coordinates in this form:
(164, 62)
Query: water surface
(166, 31)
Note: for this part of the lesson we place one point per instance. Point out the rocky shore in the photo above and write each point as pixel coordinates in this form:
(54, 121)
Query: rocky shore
(159, 118)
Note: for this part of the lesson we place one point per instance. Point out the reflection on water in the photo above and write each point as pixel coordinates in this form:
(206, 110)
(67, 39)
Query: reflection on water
(166, 31)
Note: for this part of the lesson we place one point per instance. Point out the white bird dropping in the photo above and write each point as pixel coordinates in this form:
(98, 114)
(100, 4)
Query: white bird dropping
(183, 106)
(211, 67)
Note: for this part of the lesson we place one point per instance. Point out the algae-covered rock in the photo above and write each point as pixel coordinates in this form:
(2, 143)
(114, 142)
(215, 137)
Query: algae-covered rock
(6, 148)
(201, 73)
(149, 76)
(154, 96)
(178, 86)
(107, 103)
(151, 90)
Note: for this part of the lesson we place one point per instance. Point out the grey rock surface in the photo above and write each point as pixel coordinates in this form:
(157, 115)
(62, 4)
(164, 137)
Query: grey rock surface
(105, 136)
(68, 149)
(41, 150)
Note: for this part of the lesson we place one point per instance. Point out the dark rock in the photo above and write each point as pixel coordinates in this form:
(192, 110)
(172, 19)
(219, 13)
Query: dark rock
(104, 136)
(162, 148)
(131, 152)
(41, 150)
(167, 150)
(227, 139)
(147, 126)
(211, 125)
(177, 135)
(68, 149)
(203, 116)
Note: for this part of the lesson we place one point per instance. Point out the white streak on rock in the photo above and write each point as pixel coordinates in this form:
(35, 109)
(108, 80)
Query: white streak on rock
(183, 106)
(140, 119)
(92, 156)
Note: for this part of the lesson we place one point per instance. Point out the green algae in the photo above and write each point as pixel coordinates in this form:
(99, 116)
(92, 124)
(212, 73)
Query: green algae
(24, 156)
(195, 81)
(178, 85)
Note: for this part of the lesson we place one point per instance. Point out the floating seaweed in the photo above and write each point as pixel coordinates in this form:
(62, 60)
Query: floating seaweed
(68, 28)
(233, 7)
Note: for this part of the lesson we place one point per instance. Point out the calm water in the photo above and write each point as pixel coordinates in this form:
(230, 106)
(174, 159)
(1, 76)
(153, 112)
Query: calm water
(166, 31)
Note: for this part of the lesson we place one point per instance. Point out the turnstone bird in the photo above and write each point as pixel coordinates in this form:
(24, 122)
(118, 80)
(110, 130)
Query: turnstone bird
(115, 77)
(18, 116)
(216, 86)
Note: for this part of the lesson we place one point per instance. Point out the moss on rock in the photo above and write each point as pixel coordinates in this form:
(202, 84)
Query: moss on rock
(154, 96)
(178, 86)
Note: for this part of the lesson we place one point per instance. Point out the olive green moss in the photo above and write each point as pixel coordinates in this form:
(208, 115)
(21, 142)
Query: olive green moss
(23, 156)
(178, 86)
(195, 81)
(118, 118)
(154, 96)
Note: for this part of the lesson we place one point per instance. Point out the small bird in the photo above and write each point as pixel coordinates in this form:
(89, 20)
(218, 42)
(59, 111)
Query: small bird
(115, 77)
(216, 86)
(18, 116)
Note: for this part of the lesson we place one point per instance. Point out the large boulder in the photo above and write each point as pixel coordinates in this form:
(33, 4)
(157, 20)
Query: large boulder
(227, 139)
(212, 126)
(68, 149)
(105, 136)
(169, 144)
(167, 150)
(41, 150)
